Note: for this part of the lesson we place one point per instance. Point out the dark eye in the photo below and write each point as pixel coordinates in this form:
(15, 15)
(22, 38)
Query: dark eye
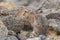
(25, 11)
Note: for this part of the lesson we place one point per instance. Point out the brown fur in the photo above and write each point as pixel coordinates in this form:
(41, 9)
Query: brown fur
(34, 23)
(37, 21)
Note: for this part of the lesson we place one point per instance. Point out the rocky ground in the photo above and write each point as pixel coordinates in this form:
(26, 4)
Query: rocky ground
(29, 19)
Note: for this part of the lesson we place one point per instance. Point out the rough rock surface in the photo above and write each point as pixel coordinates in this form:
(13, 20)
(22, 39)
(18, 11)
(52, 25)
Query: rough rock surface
(41, 37)
(3, 31)
(11, 38)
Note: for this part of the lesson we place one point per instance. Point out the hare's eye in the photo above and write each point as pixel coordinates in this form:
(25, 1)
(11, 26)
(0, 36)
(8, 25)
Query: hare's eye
(25, 13)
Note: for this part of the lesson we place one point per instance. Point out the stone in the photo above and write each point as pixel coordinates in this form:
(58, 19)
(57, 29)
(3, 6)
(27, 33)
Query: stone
(3, 31)
(11, 38)
(41, 37)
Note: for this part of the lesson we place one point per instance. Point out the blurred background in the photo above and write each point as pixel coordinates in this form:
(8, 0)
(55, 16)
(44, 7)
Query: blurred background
(34, 3)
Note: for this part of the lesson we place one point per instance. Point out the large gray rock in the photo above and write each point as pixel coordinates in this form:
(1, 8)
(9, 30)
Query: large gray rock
(41, 37)
(11, 38)
(3, 31)
(12, 23)
(55, 24)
